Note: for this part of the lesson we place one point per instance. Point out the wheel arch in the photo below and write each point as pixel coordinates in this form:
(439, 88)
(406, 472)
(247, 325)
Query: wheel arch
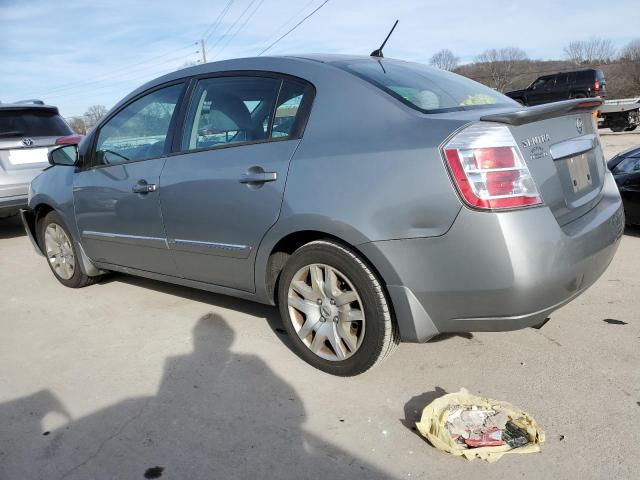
(278, 245)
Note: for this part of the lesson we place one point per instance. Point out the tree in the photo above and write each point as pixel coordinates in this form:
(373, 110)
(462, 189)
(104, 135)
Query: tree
(499, 66)
(630, 59)
(93, 115)
(444, 60)
(594, 50)
(631, 53)
(78, 125)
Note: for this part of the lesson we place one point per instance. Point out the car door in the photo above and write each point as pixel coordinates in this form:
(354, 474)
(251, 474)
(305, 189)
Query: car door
(224, 190)
(560, 88)
(116, 198)
(629, 185)
(540, 91)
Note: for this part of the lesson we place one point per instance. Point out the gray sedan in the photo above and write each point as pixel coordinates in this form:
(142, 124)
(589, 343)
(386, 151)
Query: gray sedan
(372, 200)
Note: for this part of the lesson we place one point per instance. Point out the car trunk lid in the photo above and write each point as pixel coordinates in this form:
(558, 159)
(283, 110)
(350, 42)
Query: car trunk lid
(560, 144)
(15, 156)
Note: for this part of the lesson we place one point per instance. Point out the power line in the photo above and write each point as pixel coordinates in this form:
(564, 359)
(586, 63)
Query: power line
(234, 24)
(226, 44)
(113, 73)
(124, 77)
(214, 26)
(294, 27)
(289, 20)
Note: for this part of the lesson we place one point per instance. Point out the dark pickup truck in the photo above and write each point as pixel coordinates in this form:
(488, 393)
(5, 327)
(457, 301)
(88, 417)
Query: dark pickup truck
(562, 86)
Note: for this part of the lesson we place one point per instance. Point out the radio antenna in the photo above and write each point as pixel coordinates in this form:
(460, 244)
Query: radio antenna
(378, 53)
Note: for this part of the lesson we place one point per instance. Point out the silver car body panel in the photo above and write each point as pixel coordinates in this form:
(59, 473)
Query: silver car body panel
(372, 176)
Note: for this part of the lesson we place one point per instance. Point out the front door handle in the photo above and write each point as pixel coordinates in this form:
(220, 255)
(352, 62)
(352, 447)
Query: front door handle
(143, 187)
(255, 178)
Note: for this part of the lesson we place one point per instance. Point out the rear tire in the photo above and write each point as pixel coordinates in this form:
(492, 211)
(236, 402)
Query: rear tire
(579, 95)
(322, 328)
(59, 249)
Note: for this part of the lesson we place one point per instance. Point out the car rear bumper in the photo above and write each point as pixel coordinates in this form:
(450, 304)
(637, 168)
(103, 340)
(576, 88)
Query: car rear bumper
(29, 224)
(497, 271)
(12, 202)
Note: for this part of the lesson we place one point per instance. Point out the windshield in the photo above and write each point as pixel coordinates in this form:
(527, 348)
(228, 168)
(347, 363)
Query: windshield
(424, 88)
(32, 123)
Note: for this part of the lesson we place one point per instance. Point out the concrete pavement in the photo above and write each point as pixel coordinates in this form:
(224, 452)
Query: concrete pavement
(132, 377)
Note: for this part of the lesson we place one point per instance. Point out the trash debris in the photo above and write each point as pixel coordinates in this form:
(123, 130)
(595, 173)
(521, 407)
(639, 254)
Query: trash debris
(477, 427)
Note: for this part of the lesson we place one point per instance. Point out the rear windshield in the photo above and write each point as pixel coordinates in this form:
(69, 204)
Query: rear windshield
(426, 89)
(32, 123)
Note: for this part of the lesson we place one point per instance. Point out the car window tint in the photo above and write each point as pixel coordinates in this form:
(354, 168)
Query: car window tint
(628, 165)
(139, 130)
(561, 79)
(424, 88)
(585, 76)
(542, 82)
(227, 110)
(290, 101)
(32, 123)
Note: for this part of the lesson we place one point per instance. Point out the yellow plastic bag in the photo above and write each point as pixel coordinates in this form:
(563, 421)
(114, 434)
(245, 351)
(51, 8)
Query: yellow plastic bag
(432, 426)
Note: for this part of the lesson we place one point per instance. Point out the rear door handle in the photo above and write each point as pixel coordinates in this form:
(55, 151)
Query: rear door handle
(143, 187)
(255, 178)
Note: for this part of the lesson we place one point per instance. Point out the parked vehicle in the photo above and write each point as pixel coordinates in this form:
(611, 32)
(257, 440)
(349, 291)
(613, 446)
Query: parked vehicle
(372, 200)
(626, 171)
(620, 115)
(28, 130)
(562, 86)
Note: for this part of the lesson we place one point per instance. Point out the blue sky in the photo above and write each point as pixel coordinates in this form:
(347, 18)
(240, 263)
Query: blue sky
(74, 53)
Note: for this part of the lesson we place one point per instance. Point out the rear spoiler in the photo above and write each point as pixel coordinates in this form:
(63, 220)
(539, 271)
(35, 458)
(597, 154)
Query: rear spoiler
(547, 110)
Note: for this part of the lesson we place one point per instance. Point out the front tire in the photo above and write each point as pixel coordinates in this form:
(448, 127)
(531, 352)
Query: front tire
(59, 249)
(335, 310)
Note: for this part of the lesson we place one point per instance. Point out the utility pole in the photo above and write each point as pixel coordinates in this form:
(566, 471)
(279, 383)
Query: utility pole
(204, 53)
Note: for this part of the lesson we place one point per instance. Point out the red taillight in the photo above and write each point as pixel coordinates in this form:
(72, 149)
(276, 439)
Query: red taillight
(69, 140)
(490, 177)
(596, 86)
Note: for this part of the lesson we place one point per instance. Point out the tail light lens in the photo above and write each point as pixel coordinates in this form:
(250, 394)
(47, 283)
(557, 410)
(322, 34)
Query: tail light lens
(596, 86)
(69, 140)
(488, 169)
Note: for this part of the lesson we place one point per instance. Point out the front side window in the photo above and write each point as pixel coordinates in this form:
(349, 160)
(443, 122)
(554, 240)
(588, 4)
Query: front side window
(138, 131)
(542, 82)
(426, 89)
(628, 165)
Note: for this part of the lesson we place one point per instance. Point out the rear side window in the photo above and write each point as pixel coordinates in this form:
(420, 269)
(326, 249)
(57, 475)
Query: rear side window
(291, 109)
(426, 89)
(227, 110)
(585, 76)
(236, 110)
(138, 131)
(32, 123)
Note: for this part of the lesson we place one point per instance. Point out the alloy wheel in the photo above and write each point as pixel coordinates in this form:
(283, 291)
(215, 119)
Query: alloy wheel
(59, 251)
(326, 311)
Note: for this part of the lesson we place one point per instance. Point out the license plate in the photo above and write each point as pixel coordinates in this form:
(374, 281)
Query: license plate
(579, 172)
(26, 156)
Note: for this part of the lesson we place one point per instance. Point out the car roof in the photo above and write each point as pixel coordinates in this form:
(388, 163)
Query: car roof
(264, 63)
(28, 106)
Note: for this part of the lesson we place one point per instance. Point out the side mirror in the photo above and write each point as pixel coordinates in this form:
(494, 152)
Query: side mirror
(64, 155)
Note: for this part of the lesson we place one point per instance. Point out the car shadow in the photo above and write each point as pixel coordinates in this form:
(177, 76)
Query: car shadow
(269, 313)
(215, 414)
(632, 230)
(11, 227)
